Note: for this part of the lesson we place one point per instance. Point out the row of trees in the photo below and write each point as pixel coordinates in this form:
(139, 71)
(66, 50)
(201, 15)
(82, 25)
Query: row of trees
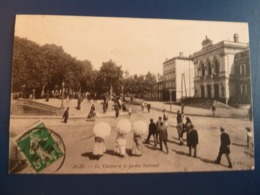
(47, 67)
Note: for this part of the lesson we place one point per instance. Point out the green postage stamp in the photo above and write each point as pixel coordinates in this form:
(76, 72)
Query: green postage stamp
(40, 147)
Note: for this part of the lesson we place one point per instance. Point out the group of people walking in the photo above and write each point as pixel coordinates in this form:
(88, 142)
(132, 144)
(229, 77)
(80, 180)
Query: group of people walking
(159, 133)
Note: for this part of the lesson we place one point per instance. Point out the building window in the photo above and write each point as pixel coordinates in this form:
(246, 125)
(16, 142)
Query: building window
(242, 69)
(243, 89)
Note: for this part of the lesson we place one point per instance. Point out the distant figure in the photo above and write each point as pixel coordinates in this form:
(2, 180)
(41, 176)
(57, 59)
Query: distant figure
(148, 107)
(66, 115)
(117, 110)
(119, 103)
(182, 108)
(250, 113)
(142, 105)
(129, 111)
(158, 126)
(213, 108)
(47, 95)
(120, 147)
(152, 131)
(163, 136)
(187, 126)
(137, 149)
(79, 102)
(180, 126)
(192, 140)
(92, 113)
(249, 136)
(165, 117)
(99, 147)
(224, 147)
(124, 107)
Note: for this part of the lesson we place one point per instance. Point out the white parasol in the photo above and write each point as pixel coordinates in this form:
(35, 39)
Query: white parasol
(101, 129)
(123, 126)
(140, 127)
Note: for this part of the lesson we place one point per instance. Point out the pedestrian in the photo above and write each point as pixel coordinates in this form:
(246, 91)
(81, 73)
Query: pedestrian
(120, 146)
(142, 105)
(186, 126)
(129, 111)
(117, 110)
(158, 126)
(99, 147)
(148, 107)
(182, 108)
(165, 116)
(47, 95)
(137, 149)
(249, 136)
(213, 108)
(192, 140)
(66, 115)
(180, 126)
(163, 136)
(104, 107)
(224, 147)
(92, 113)
(79, 102)
(152, 131)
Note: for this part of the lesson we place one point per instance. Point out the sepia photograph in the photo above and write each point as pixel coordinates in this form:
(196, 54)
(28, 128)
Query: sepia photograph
(111, 95)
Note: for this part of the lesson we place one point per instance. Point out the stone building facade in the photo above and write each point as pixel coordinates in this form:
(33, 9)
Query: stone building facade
(215, 70)
(178, 78)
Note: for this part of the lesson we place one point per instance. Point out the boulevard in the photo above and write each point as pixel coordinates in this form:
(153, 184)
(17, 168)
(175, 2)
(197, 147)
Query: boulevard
(78, 138)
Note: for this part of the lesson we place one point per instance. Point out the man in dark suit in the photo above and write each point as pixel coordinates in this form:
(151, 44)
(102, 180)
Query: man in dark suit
(224, 147)
(152, 131)
(192, 140)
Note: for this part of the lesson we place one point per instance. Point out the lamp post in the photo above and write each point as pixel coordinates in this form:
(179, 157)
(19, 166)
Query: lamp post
(62, 95)
(170, 91)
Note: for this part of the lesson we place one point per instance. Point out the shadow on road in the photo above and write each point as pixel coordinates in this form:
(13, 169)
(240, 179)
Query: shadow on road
(242, 145)
(206, 160)
(90, 156)
(249, 154)
(174, 142)
(180, 152)
(152, 147)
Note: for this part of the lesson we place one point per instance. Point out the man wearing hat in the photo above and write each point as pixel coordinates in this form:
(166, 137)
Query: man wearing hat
(192, 140)
(224, 147)
(152, 131)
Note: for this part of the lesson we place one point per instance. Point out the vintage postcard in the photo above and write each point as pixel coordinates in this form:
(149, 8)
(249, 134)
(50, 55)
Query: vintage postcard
(100, 95)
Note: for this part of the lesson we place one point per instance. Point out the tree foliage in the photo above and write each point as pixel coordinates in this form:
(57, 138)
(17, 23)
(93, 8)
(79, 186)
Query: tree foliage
(38, 67)
(47, 67)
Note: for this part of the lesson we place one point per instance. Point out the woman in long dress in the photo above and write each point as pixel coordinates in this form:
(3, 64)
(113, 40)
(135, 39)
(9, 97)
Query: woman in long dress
(120, 147)
(92, 113)
(99, 147)
(137, 149)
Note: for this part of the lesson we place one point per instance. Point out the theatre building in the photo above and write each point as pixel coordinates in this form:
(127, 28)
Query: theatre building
(216, 75)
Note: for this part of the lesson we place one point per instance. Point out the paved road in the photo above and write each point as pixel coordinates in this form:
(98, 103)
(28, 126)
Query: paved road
(79, 139)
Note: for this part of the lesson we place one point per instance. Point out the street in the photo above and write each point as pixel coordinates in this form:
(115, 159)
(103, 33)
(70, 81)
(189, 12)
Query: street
(79, 141)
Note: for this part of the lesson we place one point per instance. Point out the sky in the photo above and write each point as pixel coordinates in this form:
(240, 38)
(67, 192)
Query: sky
(138, 45)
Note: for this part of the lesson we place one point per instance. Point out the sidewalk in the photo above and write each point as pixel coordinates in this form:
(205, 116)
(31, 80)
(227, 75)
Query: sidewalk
(195, 111)
(221, 112)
